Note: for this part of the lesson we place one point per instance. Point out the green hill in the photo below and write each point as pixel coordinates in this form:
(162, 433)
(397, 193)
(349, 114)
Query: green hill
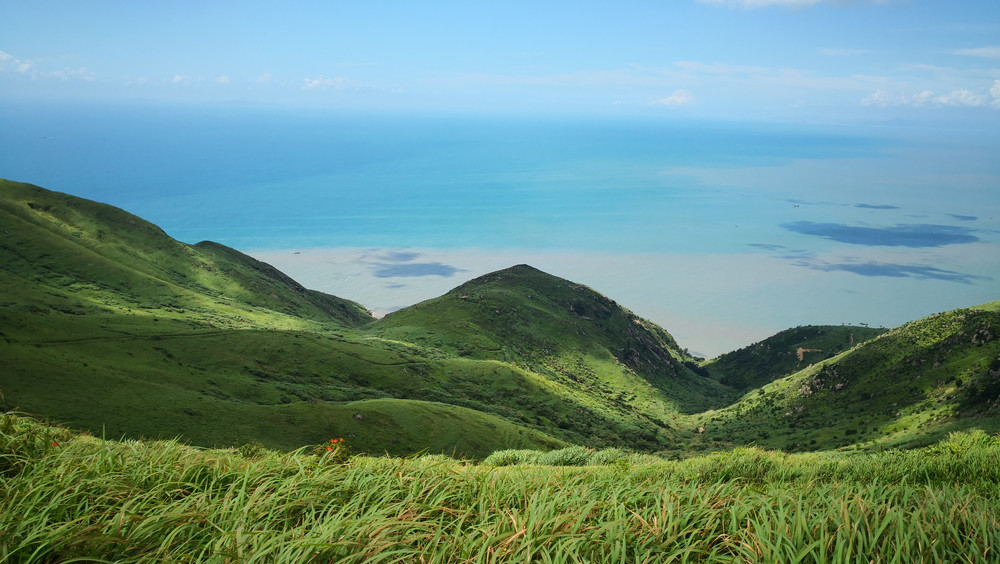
(784, 353)
(107, 324)
(112, 326)
(612, 373)
(907, 387)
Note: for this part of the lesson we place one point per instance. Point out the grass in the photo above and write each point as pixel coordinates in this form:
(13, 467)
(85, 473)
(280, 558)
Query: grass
(66, 497)
(108, 324)
(785, 353)
(908, 387)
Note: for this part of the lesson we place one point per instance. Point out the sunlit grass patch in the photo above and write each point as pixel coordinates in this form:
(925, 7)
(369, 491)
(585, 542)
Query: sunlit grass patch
(66, 496)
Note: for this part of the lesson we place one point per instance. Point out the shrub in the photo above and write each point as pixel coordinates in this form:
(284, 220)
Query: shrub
(512, 457)
(569, 456)
(749, 464)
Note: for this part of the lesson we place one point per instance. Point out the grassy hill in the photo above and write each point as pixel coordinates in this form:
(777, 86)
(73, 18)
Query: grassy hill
(108, 324)
(786, 352)
(522, 315)
(907, 387)
(91, 257)
(609, 372)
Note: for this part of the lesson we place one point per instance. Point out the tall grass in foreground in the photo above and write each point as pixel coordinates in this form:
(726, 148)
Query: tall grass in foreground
(66, 498)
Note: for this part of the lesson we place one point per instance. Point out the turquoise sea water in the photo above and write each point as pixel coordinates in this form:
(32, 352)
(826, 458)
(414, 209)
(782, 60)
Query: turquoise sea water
(912, 206)
(257, 179)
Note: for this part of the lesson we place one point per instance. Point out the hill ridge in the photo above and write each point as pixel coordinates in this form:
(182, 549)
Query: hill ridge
(108, 323)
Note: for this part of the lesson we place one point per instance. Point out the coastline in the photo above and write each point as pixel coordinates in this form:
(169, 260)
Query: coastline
(711, 304)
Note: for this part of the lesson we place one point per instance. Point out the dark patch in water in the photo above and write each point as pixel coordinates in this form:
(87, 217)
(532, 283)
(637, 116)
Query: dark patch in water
(910, 235)
(876, 207)
(385, 270)
(874, 269)
(399, 256)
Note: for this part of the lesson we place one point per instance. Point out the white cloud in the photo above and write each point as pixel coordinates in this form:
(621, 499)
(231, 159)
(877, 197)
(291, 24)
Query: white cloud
(989, 52)
(178, 79)
(10, 62)
(321, 83)
(222, 79)
(843, 52)
(81, 73)
(882, 99)
(923, 98)
(678, 98)
(264, 78)
(961, 97)
(955, 98)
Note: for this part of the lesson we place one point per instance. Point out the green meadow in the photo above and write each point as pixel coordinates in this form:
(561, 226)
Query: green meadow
(166, 402)
(67, 497)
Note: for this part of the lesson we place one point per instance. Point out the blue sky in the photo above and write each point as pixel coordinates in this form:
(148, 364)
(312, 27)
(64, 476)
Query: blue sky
(788, 60)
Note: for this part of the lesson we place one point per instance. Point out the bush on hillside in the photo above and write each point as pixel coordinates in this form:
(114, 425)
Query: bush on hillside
(512, 457)
(569, 456)
(608, 456)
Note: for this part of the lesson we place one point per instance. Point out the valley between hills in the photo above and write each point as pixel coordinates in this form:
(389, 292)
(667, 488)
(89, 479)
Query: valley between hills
(110, 326)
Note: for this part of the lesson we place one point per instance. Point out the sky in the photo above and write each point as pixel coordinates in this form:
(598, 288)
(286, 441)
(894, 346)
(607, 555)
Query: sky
(844, 61)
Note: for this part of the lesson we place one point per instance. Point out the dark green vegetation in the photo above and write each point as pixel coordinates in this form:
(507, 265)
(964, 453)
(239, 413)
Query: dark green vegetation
(907, 387)
(109, 325)
(66, 497)
(785, 353)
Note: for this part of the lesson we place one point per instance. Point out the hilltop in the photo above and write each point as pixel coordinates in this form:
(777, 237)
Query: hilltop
(108, 324)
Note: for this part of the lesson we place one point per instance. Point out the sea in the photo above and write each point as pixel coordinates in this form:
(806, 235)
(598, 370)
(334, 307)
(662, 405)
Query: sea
(722, 232)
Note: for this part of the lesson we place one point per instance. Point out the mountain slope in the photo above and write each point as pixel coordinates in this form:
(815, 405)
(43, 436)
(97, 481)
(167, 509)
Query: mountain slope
(523, 315)
(107, 297)
(103, 256)
(105, 309)
(784, 353)
(907, 387)
(108, 324)
(617, 378)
